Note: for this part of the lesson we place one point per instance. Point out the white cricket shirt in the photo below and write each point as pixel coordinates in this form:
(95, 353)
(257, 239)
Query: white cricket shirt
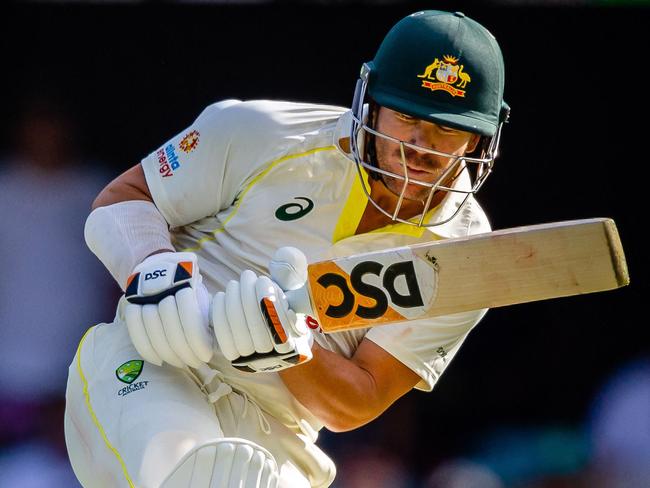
(249, 177)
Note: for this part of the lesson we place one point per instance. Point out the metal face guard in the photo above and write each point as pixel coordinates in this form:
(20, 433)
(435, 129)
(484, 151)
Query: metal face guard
(478, 169)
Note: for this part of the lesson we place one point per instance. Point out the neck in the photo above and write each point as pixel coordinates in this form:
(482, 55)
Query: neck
(373, 218)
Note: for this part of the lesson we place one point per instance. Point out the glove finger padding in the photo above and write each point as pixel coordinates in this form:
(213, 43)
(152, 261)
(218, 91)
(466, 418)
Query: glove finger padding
(257, 326)
(222, 329)
(274, 309)
(154, 328)
(237, 319)
(198, 335)
(288, 269)
(174, 331)
(138, 334)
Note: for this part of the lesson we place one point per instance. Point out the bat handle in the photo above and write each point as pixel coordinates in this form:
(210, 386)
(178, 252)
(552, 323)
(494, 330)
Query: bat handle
(299, 300)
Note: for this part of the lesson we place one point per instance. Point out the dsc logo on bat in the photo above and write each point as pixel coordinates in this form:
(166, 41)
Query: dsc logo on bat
(378, 290)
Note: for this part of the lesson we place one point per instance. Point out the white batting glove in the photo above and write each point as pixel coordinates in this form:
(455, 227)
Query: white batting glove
(167, 313)
(254, 326)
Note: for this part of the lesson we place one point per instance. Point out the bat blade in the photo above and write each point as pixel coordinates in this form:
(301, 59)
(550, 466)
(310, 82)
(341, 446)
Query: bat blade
(494, 269)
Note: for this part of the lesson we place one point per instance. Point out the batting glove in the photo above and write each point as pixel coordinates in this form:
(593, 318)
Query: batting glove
(167, 313)
(254, 326)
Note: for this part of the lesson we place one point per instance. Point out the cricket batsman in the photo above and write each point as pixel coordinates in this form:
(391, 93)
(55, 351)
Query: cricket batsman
(207, 378)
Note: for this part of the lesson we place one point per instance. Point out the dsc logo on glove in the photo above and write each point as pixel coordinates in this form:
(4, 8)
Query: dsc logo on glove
(156, 274)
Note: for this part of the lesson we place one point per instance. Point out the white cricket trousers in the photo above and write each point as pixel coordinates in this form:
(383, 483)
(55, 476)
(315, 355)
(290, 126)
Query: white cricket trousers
(132, 431)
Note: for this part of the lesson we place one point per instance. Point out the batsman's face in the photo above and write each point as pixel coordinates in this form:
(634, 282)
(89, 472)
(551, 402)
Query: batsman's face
(421, 166)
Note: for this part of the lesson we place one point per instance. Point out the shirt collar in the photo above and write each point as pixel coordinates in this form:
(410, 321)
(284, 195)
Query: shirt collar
(342, 134)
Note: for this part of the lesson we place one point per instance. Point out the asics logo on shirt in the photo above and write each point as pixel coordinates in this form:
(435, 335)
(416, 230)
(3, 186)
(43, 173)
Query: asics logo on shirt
(294, 210)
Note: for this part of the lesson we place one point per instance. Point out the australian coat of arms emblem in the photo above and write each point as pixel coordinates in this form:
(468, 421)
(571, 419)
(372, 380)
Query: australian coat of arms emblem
(446, 75)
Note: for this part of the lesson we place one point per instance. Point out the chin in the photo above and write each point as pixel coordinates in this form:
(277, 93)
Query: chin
(413, 192)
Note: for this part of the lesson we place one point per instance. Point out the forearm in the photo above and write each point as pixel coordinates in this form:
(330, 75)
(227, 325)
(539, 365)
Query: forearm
(339, 392)
(123, 234)
(125, 226)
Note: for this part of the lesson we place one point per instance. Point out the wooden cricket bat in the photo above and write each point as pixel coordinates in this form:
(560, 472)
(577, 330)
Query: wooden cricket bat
(505, 267)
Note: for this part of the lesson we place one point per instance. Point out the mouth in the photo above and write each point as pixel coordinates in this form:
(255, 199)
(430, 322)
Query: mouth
(418, 174)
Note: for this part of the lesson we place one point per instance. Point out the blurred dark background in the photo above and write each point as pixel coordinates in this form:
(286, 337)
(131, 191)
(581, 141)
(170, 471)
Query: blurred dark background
(525, 403)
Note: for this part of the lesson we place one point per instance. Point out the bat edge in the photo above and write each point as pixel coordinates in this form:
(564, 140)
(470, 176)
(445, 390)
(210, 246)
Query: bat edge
(619, 263)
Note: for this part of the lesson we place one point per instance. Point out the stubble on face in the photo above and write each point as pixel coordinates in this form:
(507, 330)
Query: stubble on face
(422, 166)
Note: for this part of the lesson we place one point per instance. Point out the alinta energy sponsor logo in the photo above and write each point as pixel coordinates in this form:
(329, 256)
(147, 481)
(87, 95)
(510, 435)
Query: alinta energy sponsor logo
(167, 160)
(446, 75)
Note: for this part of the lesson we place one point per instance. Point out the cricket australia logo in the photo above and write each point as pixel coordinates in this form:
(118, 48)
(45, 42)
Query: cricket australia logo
(446, 75)
(129, 371)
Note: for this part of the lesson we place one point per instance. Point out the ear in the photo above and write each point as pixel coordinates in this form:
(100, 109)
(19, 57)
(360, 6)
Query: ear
(373, 114)
(473, 142)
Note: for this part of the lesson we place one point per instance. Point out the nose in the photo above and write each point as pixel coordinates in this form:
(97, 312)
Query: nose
(420, 159)
(421, 137)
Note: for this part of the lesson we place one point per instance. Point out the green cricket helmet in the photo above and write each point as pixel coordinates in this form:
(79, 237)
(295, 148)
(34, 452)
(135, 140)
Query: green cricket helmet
(443, 68)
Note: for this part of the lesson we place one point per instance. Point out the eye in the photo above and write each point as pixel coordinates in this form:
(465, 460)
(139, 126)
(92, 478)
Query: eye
(448, 130)
(405, 117)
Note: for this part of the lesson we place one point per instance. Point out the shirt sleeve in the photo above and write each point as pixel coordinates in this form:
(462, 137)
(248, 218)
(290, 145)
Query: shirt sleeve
(201, 170)
(186, 174)
(426, 346)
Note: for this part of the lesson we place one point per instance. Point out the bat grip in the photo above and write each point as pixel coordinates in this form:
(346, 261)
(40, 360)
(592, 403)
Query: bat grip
(299, 300)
